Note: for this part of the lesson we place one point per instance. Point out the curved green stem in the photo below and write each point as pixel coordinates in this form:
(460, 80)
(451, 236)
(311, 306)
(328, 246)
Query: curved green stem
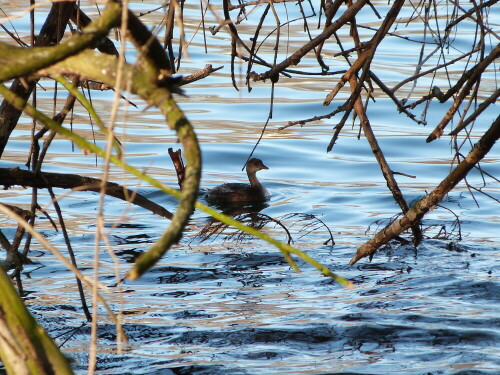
(90, 109)
(87, 146)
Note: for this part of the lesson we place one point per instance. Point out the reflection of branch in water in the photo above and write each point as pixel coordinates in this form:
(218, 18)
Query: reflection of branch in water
(445, 233)
(309, 223)
(314, 223)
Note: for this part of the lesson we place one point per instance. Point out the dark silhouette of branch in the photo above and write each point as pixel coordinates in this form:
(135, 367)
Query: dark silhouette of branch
(19, 177)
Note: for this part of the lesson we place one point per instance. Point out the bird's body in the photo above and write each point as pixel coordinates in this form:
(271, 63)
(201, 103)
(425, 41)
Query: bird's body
(241, 193)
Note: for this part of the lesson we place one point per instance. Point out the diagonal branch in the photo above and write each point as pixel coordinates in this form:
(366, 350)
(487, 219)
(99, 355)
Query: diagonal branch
(417, 212)
(295, 58)
(20, 177)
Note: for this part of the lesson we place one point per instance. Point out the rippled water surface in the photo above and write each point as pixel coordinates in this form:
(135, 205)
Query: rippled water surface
(222, 306)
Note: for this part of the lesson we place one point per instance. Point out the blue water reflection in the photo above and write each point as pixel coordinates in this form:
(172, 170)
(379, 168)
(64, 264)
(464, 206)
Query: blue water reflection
(222, 307)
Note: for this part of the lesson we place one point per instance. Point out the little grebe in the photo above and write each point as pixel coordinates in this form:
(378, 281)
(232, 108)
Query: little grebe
(241, 193)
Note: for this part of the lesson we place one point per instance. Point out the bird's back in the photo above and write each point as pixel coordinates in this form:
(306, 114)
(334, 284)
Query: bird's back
(236, 192)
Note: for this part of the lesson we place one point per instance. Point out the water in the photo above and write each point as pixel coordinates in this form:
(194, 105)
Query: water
(226, 307)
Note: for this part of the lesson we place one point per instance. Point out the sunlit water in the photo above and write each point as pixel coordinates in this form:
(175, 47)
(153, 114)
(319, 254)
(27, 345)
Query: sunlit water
(225, 307)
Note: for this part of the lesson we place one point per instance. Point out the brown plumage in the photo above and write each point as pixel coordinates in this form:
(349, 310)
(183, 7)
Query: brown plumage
(241, 193)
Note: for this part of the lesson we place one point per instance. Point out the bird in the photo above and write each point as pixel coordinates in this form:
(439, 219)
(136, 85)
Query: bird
(241, 193)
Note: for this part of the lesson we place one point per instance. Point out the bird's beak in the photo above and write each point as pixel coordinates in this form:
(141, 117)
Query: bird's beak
(264, 167)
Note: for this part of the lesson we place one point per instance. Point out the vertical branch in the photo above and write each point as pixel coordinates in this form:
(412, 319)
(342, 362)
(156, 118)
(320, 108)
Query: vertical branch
(251, 57)
(384, 166)
(234, 40)
(9, 116)
(169, 35)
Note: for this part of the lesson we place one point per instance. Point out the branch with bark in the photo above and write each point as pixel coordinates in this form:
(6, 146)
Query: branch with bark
(19, 177)
(415, 214)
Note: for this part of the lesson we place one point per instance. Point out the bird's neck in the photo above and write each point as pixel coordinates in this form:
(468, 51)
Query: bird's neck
(252, 177)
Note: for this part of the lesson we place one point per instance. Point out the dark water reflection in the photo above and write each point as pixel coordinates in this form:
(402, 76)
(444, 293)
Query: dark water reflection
(239, 310)
(218, 307)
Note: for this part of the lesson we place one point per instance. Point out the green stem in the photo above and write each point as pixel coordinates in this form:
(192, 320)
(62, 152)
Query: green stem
(21, 62)
(87, 146)
(90, 108)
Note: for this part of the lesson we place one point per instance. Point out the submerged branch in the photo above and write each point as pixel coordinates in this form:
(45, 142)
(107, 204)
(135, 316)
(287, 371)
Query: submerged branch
(417, 212)
(381, 160)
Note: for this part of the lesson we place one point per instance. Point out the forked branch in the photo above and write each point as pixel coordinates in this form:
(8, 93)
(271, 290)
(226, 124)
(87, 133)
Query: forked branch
(415, 214)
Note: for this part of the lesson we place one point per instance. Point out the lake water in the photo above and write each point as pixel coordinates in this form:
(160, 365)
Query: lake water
(222, 306)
